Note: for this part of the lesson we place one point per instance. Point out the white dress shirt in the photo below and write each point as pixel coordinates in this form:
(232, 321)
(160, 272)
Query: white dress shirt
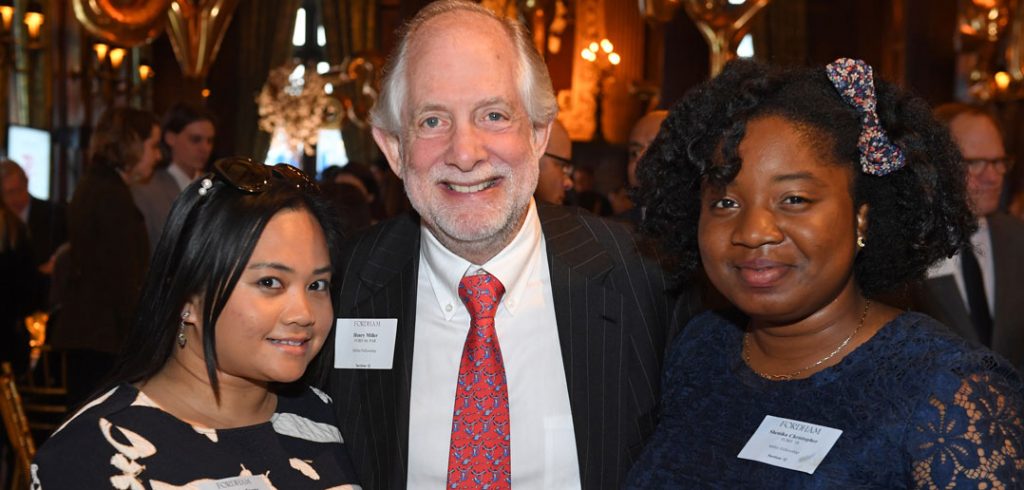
(179, 175)
(543, 443)
(982, 241)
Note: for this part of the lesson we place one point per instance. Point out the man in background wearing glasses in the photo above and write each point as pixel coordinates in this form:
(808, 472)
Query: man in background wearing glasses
(980, 293)
(555, 177)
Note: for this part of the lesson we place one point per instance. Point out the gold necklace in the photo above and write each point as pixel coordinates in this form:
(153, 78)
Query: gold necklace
(794, 374)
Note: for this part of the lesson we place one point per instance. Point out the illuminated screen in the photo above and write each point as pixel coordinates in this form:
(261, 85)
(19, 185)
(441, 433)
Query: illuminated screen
(30, 147)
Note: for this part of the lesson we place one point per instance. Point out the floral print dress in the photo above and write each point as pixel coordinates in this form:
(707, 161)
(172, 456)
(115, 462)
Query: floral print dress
(122, 440)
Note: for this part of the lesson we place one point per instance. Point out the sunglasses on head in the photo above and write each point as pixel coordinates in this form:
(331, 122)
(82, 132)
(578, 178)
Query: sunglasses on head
(254, 178)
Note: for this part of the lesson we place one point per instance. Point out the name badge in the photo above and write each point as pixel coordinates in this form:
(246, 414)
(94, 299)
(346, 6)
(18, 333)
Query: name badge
(364, 343)
(252, 482)
(790, 444)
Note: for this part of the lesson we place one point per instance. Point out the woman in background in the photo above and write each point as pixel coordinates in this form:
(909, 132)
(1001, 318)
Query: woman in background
(236, 305)
(109, 250)
(806, 194)
(17, 273)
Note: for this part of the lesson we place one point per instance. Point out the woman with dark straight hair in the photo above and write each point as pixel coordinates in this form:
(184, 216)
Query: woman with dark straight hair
(236, 305)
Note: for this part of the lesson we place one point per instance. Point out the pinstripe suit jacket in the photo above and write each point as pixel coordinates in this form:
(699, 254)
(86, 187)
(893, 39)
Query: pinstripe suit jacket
(613, 313)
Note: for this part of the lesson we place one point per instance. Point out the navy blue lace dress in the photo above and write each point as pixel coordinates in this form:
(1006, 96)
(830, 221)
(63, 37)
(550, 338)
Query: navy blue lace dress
(918, 407)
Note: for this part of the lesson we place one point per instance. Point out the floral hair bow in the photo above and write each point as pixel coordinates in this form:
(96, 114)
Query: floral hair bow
(855, 83)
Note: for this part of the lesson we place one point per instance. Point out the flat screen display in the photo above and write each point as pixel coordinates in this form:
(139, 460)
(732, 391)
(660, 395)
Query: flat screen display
(30, 147)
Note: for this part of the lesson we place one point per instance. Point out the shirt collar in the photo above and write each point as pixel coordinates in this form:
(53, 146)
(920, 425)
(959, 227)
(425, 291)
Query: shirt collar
(951, 265)
(512, 266)
(179, 175)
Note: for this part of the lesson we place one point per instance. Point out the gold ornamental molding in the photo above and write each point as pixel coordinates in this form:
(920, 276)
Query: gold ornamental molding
(126, 23)
(196, 29)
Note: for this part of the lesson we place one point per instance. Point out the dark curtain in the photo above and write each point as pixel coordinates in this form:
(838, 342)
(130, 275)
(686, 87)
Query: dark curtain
(350, 26)
(260, 38)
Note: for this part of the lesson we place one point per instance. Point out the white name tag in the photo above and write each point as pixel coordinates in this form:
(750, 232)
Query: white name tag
(790, 444)
(364, 343)
(253, 482)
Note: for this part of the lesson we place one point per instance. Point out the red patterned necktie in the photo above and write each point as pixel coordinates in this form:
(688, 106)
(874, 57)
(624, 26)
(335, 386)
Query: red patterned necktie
(479, 456)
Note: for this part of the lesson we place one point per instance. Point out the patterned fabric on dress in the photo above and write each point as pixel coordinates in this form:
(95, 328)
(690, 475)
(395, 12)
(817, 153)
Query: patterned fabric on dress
(918, 406)
(122, 440)
(480, 456)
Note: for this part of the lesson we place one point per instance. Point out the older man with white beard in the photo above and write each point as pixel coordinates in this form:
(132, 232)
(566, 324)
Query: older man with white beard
(487, 340)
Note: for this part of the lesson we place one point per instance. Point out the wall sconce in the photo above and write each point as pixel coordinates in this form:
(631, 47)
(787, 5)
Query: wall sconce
(112, 81)
(601, 55)
(34, 21)
(1002, 80)
(590, 53)
(7, 14)
(101, 50)
(145, 72)
(116, 57)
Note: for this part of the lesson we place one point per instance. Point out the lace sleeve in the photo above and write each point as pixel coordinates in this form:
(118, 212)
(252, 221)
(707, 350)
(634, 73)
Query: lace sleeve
(971, 435)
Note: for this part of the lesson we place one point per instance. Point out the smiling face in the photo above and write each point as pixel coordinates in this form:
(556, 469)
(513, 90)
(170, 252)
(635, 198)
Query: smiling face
(779, 241)
(280, 311)
(468, 153)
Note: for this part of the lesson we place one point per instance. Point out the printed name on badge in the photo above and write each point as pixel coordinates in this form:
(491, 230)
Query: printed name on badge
(251, 482)
(364, 343)
(790, 444)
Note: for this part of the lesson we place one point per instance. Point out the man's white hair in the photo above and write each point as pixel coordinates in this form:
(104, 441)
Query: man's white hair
(533, 79)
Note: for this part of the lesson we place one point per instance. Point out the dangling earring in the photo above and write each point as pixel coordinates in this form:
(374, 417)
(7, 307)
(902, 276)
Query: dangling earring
(860, 241)
(181, 330)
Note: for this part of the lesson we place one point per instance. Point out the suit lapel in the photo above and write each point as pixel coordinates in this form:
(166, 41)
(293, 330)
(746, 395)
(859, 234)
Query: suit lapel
(387, 289)
(588, 316)
(1005, 267)
(1007, 334)
(948, 300)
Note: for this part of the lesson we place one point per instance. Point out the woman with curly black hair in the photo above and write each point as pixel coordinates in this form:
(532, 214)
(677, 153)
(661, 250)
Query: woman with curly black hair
(805, 194)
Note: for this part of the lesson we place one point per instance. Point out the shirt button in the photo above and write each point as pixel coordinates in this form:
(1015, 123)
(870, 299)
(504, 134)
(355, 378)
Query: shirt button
(448, 308)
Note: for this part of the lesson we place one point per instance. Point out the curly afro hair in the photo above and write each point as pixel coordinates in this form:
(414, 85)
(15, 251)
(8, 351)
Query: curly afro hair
(917, 215)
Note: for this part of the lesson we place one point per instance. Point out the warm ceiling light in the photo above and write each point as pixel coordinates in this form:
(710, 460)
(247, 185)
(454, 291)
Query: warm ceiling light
(145, 72)
(606, 46)
(34, 20)
(7, 13)
(101, 51)
(614, 58)
(116, 57)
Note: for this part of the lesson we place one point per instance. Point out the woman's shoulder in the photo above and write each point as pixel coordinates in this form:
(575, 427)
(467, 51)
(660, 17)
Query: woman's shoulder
(926, 340)
(716, 325)
(706, 340)
(75, 450)
(968, 427)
